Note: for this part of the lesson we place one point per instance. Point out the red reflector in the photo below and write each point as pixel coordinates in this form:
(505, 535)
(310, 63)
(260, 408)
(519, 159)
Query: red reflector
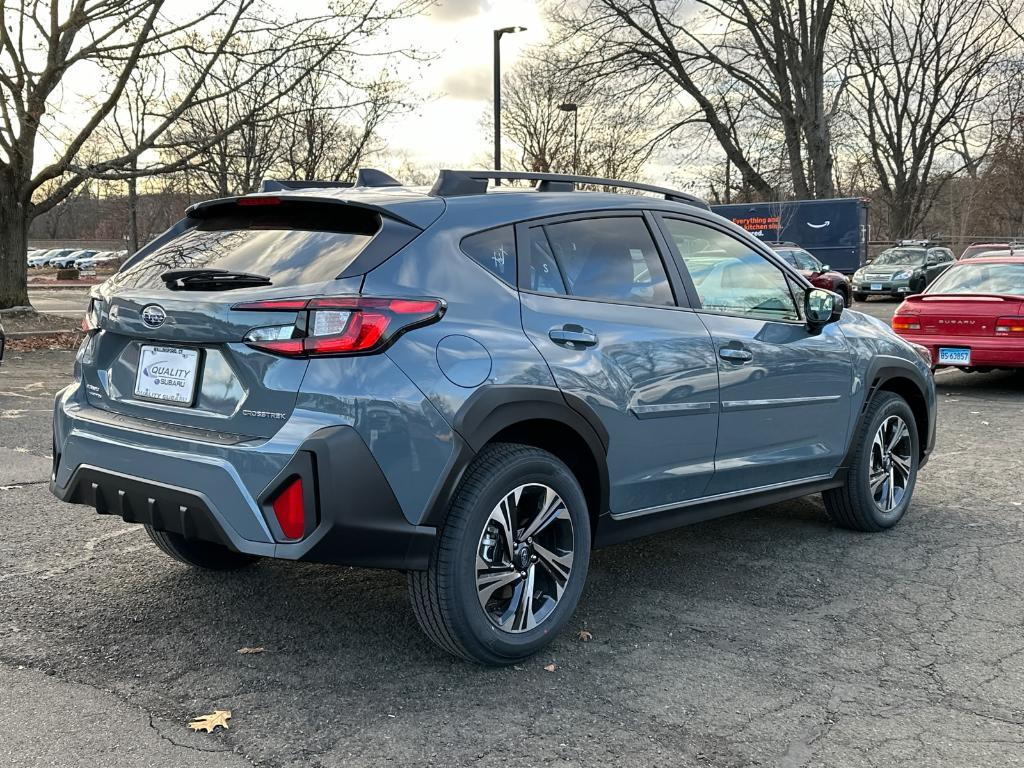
(259, 201)
(289, 510)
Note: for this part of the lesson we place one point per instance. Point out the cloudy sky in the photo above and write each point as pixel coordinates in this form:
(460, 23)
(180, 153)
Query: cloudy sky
(446, 129)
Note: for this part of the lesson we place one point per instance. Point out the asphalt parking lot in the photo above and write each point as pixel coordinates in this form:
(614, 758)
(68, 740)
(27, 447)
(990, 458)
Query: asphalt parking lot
(769, 638)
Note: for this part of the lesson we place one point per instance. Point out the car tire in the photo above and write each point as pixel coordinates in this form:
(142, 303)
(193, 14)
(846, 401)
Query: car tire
(860, 297)
(883, 472)
(200, 554)
(845, 295)
(457, 603)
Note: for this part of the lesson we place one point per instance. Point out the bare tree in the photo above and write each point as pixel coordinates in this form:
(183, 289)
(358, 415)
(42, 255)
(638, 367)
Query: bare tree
(777, 49)
(615, 131)
(328, 127)
(42, 43)
(921, 71)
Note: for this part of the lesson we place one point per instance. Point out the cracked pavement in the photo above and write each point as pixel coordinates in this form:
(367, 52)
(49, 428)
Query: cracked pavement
(769, 638)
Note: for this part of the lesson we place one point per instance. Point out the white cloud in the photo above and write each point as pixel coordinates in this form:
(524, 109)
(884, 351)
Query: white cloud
(471, 84)
(454, 10)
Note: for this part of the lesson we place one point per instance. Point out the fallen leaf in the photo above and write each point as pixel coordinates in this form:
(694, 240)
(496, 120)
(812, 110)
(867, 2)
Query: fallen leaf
(584, 635)
(209, 722)
(254, 649)
(550, 668)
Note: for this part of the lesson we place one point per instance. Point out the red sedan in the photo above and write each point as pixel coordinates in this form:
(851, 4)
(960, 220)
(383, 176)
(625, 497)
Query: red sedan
(971, 317)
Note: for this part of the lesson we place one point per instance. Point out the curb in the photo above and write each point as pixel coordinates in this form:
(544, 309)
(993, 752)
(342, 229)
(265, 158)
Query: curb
(15, 335)
(60, 286)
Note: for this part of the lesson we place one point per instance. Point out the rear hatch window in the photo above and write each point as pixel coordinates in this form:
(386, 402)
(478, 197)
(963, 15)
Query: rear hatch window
(290, 244)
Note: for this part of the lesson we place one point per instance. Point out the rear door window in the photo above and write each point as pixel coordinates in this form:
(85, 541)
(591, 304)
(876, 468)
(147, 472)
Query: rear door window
(613, 259)
(290, 245)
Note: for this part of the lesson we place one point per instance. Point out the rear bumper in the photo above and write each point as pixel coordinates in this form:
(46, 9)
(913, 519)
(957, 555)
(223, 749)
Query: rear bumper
(986, 352)
(354, 517)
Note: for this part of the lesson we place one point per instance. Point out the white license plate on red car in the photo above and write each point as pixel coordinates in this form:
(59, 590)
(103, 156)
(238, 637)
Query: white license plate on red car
(167, 374)
(954, 356)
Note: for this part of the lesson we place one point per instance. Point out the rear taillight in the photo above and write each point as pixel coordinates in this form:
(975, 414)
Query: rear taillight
(1010, 326)
(91, 321)
(906, 323)
(338, 325)
(290, 510)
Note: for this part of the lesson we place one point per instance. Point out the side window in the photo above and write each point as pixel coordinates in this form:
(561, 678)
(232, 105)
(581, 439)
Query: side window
(495, 251)
(544, 275)
(789, 257)
(614, 259)
(729, 276)
(806, 260)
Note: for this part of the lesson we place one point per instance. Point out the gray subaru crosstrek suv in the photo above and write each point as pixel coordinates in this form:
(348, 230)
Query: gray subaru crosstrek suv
(477, 387)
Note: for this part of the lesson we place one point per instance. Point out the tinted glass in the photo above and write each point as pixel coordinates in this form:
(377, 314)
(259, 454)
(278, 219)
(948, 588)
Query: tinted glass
(729, 276)
(543, 274)
(614, 259)
(495, 251)
(981, 278)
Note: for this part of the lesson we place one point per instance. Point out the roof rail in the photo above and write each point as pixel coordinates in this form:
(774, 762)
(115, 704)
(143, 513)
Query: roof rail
(460, 183)
(365, 177)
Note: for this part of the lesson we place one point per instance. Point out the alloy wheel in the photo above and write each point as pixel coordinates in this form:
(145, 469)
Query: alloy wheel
(891, 462)
(524, 558)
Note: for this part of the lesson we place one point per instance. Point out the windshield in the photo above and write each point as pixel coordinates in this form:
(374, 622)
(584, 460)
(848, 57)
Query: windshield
(981, 278)
(900, 256)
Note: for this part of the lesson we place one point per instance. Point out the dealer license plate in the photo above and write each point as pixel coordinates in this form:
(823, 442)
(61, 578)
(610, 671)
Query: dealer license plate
(167, 374)
(954, 356)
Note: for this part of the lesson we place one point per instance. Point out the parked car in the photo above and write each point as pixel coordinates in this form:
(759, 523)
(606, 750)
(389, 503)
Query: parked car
(901, 270)
(820, 275)
(984, 249)
(85, 262)
(476, 388)
(69, 259)
(972, 317)
(108, 260)
(43, 259)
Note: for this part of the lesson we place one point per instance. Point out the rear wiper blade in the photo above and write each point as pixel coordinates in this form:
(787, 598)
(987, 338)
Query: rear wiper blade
(211, 280)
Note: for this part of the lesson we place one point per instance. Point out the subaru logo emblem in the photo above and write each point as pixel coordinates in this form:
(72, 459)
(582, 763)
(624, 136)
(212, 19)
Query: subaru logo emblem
(153, 315)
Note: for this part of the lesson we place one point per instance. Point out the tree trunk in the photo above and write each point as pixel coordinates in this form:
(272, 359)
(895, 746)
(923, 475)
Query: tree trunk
(133, 214)
(13, 244)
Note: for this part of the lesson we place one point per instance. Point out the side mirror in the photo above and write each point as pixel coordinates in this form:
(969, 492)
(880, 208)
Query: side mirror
(826, 268)
(822, 307)
(931, 261)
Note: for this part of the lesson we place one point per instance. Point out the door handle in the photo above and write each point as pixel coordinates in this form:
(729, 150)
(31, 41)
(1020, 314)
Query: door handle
(573, 334)
(734, 355)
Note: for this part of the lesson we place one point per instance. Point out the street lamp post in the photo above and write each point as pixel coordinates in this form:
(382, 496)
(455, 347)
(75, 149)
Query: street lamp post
(497, 93)
(574, 108)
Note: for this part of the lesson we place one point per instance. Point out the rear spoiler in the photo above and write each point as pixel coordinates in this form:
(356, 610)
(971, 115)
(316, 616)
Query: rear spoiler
(965, 297)
(203, 209)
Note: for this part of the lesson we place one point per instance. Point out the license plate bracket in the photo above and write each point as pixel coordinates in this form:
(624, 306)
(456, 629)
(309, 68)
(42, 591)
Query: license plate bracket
(167, 374)
(954, 356)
